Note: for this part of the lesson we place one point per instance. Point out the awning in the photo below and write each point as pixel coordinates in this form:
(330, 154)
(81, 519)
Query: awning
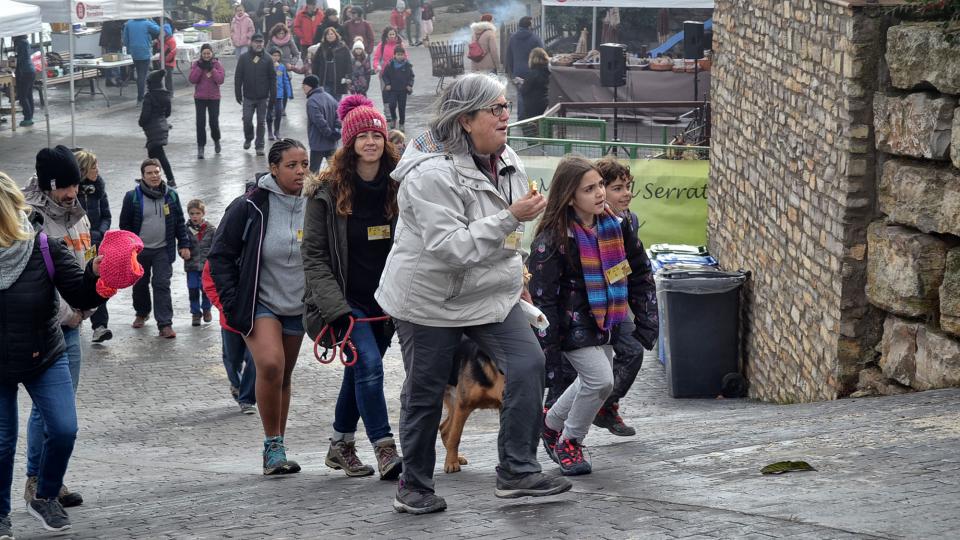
(708, 4)
(17, 19)
(75, 11)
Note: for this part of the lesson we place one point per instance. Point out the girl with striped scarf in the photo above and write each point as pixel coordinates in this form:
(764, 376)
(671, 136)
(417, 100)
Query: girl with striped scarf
(587, 266)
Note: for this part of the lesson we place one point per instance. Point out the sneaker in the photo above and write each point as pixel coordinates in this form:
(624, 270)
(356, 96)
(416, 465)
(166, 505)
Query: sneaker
(167, 332)
(511, 486)
(26, 123)
(343, 455)
(389, 463)
(609, 418)
(196, 320)
(216, 147)
(248, 408)
(6, 528)
(101, 334)
(550, 438)
(30, 489)
(417, 502)
(275, 458)
(139, 321)
(69, 499)
(246, 144)
(50, 513)
(235, 392)
(207, 316)
(572, 459)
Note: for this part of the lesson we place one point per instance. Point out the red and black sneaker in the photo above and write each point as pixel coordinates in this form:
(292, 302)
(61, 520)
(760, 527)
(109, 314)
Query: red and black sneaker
(572, 459)
(550, 438)
(609, 418)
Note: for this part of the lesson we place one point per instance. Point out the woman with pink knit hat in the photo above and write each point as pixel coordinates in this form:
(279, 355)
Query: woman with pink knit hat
(348, 229)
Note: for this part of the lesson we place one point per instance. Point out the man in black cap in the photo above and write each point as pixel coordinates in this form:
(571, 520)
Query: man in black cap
(255, 84)
(52, 193)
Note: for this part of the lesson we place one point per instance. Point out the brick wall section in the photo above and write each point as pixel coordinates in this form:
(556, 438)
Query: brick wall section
(793, 187)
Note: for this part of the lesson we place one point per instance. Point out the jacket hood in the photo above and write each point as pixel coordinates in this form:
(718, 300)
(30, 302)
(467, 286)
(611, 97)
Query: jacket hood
(480, 26)
(314, 185)
(240, 16)
(14, 258)
(42, 203)
(269, 183)
(424, 147)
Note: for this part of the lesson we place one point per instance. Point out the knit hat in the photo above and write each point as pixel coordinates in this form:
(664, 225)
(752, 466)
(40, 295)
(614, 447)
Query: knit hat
(119, 268)
(401, 5)
(358, 115)
(312, 81)
(486, 17)
(358, 43)
(155, 79)
(57, 168)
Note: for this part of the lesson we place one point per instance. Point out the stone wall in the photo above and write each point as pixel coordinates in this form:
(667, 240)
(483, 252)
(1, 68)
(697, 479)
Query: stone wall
(914, 258)
(793, 186)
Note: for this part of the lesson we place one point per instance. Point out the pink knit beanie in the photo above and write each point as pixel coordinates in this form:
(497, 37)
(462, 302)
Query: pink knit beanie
(119, 268)
(358, 115)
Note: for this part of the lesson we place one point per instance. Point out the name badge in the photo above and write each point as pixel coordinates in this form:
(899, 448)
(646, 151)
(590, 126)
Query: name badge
(381, 232)
(618, 272)
(299, 235)
(90, 253)
(166, 209)
(256, 59)
(512, 241)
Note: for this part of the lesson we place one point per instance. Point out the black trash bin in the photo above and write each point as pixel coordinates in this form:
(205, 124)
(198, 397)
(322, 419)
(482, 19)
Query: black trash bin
(700, 326)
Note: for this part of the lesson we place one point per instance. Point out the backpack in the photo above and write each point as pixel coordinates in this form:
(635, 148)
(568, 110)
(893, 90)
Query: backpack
(475, 52)
(47, 259)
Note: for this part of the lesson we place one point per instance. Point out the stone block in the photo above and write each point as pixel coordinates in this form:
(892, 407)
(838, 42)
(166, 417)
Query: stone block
(937, 360)
(916, 125)
(898, 349)
(918, 53)
(923, 195)
(904, 269)
(955, 142)
(950, 294)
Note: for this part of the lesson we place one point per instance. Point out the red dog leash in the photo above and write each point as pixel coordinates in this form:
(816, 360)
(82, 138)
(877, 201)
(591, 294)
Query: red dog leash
(339, 348)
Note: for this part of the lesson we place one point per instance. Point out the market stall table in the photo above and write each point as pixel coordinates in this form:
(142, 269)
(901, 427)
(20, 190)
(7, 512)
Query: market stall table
(100, 65)
(9, 81)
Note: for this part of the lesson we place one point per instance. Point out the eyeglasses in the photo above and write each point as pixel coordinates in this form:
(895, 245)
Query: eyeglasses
(498, 108)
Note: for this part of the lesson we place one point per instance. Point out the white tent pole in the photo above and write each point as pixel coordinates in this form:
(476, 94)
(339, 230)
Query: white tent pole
(543, 23)
(163, 62)
(73, 103)
(43, 91)
(593, 33)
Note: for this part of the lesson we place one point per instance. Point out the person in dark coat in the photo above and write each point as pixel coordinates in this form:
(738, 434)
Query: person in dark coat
(33, 270)
(154, 112)
(516, 61)
(330, 20)
(255, 85)
(92, 196)
(397, 80)
(332, 64)
(534, 86)
(26, 75)
(323, 128)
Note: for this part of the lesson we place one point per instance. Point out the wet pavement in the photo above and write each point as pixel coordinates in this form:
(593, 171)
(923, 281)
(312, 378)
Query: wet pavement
(163, 451)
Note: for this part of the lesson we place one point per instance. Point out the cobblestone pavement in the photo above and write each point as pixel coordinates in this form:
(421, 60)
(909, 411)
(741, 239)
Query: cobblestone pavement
(164, 453)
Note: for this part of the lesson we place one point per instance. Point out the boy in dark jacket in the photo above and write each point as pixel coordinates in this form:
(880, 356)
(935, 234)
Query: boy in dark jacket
(255, 84)
(92, 196)
(323, 129)
(284, 92)
(153, 212)
(201, 232)
(397, 85)
(154, 112)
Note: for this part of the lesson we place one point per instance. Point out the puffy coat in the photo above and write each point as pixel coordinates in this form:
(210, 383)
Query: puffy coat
(200, 246)
(97, 207)
(207, 81)
(323, 128)
(332, 65)
(485, 34)
(557, 287)
(535, 91)
(255, 80)
(516, 61)
(241, 30)
(284, 86)
(305, 26)
(138, 37)
(154, 112)
(169, 50)
(449, 265)
(398, 78)
(131, 218)
(383, 54)
(29, 326)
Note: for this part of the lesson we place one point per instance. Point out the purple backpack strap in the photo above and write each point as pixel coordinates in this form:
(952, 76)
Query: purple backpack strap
(47, 259)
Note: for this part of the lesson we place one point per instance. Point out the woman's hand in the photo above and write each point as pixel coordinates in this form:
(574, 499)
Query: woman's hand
(529, 206)
(96, 265)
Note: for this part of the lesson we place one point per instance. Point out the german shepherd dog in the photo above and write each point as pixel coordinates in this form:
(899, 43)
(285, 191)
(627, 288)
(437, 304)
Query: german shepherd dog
(475, 383)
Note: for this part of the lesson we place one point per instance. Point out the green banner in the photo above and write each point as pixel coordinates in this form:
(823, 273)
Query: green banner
(670, 197)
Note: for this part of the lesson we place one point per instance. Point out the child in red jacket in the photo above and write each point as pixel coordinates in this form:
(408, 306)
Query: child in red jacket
(398, 17)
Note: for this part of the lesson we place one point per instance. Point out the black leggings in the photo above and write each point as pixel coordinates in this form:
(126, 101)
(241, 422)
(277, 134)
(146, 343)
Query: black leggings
(205, 107)
(398, 101)
(156, 151)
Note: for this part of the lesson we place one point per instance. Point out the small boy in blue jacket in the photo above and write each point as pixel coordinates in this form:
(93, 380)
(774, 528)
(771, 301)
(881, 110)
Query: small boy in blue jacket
(284, 92)
(397, 85)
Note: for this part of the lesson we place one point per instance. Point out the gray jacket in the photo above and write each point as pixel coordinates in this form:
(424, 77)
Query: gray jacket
(449, 266)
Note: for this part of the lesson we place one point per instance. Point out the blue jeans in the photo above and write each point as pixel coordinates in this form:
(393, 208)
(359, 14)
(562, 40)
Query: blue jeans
(52, 394)
(199, 303)
(361, 392)
(239, 365)
(142, 67)
(36, 429)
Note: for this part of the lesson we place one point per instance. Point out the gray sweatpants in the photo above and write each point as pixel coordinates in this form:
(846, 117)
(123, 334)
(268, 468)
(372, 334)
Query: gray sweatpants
(157, 270)
(576, 408)
(428, 360)
(249, 107)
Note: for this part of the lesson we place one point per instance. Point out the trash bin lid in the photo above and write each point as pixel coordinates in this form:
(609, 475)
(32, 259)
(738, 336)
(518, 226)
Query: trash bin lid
(703, 281)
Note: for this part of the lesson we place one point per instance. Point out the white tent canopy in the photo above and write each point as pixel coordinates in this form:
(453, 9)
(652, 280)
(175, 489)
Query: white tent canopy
(17, 19)
(632, 3)
(76, 11)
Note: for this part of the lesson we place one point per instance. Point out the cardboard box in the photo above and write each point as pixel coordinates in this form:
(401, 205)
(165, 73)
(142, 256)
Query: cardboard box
(219, 31)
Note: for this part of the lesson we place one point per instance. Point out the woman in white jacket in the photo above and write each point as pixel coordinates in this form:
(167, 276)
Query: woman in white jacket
(456, 270)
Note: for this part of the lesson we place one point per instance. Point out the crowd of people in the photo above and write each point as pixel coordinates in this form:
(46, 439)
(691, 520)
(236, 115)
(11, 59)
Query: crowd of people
(359, 233)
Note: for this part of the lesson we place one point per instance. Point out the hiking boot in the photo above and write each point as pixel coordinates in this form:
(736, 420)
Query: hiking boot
(550, 438)
(171, 182)
(388, 461)
(207, 316)
(275, 458)
(196, 320)
(511, 486)
(271, 136)
(167, 332)
(30, 489)
(69, 499)
(248, 408)
(26, 123)
(50, 513)
(609, 418)
(216, 147)
(343, 455)
(260, 151)
(573, 461)
(6, 528)
(101, 334)
(246, 144)
(139, 321)
(199, 152)
(417, 502)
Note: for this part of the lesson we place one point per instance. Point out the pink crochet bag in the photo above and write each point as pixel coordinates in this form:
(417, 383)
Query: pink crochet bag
(119, 267)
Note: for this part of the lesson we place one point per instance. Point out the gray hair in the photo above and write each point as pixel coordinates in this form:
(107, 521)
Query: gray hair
(465, 96)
